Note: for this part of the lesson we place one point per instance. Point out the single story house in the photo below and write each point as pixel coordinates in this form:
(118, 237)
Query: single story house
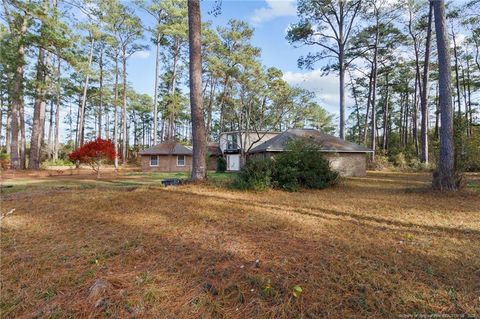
(174, 157)
(167, 157)
(349, 159)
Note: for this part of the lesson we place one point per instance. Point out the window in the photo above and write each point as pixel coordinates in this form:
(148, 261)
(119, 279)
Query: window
(154, 160)
(180, 160)
(232, 142)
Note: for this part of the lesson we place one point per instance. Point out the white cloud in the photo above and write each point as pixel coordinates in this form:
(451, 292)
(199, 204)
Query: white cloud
(141, 55)
(325, 87)
(274, 9)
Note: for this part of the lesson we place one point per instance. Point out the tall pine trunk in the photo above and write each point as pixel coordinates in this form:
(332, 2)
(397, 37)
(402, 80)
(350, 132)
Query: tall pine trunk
(100, 105)
(56, 144)
(444, 177)
(199, 167)
(16, 114)
(457, 78)
(374, 88)
(124, 106)
(81, 122)
(50, 130)
(38, 112)
(424, 93)
(115, 112)
(155, 91)
(8, 132)
(386, 114)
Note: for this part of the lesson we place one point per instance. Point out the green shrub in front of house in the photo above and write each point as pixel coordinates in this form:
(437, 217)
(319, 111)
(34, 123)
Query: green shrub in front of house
(221, 164)
(255, 175)
(301, 165)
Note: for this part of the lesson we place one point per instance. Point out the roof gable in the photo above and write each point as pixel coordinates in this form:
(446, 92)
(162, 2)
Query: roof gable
(168, 148)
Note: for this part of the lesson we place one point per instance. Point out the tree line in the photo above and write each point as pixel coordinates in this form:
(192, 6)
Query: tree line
(71, 57)
(383, 55)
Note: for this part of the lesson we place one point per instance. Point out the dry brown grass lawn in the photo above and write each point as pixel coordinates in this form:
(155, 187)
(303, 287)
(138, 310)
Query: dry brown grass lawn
(376, 247)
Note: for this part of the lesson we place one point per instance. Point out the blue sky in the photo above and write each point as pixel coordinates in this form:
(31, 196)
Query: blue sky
(270, 19)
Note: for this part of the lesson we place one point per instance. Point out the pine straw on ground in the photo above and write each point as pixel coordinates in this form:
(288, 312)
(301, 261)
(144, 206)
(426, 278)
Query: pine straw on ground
(376, 247)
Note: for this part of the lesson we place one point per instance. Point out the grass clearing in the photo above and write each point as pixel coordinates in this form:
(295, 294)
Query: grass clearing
(381, 246)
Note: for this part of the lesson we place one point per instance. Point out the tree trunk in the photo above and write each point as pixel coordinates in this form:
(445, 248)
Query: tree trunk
(100, 106)
(81, 125)
(50, 131)
(1, 117)
(222, 104)
(38, 112)
(210, 108)
(444, 178)
(170, 135)
(124, 107)
(357, 110)
(457, 78)
(400, 121)
(115, 113)
(23, 138)
(374, 91)
(56, 144)
(8, 132)
(367, 112)
(199, 167)
(385, 114)
(155, 90)
(341, 71)
(469, 98)
(424, 95)
(407, 115)
(415, 115)
(437, 113)
(17, 98)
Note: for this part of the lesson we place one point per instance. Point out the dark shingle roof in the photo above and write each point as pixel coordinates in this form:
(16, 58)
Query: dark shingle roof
(168, 148)
(327, 142)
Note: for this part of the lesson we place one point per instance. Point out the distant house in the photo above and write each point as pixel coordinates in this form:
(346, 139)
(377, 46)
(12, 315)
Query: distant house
(233, 143)
(167, 157)
(349, 159)
(175, 157)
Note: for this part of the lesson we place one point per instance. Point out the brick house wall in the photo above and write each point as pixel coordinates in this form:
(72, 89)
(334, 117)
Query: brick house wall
(348, 164)
(166, 163)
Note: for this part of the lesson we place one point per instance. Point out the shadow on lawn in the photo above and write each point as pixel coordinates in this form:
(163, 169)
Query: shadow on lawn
(358, 219)
(187, 263)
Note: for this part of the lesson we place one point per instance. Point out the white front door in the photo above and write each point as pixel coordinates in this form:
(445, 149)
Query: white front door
(233, 162)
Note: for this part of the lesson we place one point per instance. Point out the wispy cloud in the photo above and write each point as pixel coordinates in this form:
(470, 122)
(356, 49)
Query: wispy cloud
(274, 9)
(325, 87)
(141, 55)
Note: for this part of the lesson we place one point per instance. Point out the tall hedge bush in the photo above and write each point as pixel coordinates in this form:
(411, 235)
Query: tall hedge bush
(300, 165)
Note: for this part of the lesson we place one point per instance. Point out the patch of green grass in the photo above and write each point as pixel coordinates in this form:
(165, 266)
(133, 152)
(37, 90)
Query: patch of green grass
(126, 181)
(46, 295)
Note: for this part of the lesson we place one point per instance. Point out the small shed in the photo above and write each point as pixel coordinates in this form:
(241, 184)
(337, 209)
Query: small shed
(347, 158)
(167, 157)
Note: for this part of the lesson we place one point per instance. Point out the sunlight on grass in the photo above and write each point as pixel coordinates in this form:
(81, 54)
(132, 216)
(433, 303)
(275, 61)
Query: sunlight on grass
(194, 251)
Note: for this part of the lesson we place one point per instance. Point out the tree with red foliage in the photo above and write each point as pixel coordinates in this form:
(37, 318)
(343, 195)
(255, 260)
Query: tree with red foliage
(94, 153)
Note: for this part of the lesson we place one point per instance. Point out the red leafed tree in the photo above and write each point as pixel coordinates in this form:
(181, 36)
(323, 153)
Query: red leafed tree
(94, 153)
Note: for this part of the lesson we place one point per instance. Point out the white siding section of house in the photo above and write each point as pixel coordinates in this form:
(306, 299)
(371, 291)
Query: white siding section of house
(251, 138)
